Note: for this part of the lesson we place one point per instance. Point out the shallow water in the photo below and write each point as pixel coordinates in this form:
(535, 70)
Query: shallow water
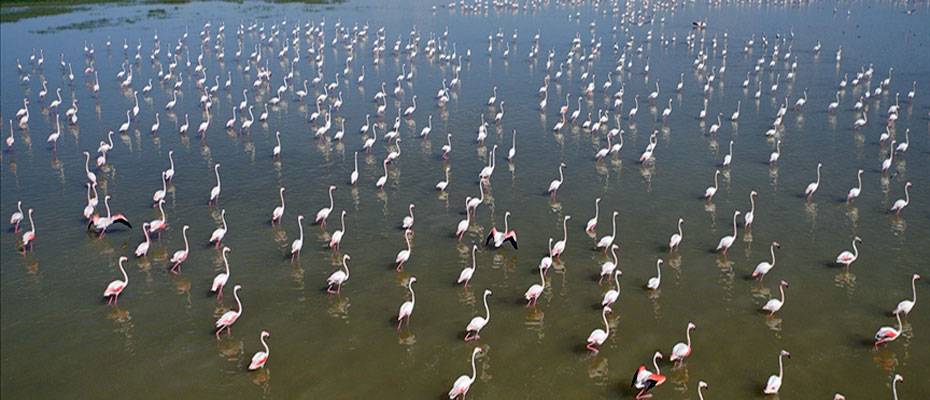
(59, 339)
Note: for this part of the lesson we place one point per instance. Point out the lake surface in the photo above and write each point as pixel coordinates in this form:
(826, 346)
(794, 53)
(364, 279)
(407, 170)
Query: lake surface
(60, 339)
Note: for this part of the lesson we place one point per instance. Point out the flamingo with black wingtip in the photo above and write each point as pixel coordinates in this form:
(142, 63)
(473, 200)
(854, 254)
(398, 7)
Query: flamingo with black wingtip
(501, 237)
(645, 380)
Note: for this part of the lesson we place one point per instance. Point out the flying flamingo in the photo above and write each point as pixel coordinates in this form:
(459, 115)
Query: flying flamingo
(773, 305)
(559, 247)
(727, 241)
(555, 184)
(608, 267)
(406, 309)
(712, 190)
(901, 203)
(501, 237)
(887, 334)
(116, 287)
(681, 351)
(181, 255)
(467, 272)
(599, 336)
(278, 211)
(143, 248)
(613, 294)
(532, 294)
(654, 282)
(764, 267)
(675, 240)
(219, 282)
(218, 234)
(774, 382)
(854, 192)
(606, 241)
(260, 357)
(336, 239)
(846, 257)
(229, 317)
(463, 383)
(812, 187)
(473, 329)
(297, 244)
(645, 380)
(592, 223)
(215, 192)
(905, 306)
(404, 255)
(17, 217)
(407, 223)
(750, 215)
(339, 277)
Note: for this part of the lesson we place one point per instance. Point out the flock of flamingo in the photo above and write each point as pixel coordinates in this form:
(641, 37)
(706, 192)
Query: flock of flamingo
(256, 45)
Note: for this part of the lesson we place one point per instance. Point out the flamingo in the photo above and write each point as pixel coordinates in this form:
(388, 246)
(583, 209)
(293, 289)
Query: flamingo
(905, 306)
(812, 187)
(278, 211)
(323, 214)
(101, 224)
(382, 180)
(729, 157)
(404, 255)
(447, 148)
(555, 184)
(546, 262)
(156, 125)
(474, 202)
(339, 277)
(219, 282)
(887, 334)
(559, 246)
(773, 305)
(675, 240)
(218, 234)
(297, 244)
(353, 178)
(183, 129)
(613, 294)
(681, 351)
(897, 377)
(125, 126)
(598, 336)
(441, 185)
(846, 258)
(181, 255)
(91, 177)
(467, 272)
(17, 217)
(532, 294)
(501, 237)
(88, 209)
(159, 224)
(703, 385)
(215, 191)
(513, 147)
(407, 223)
(774, 382)
(116, 287)
(592, 223)
(902, 147)
(712, 190)
(899, 204)
(773, 158)
(764, 267)
(463, 224)
(143, 248)
(261, 357)
(169, 173)
(463, 383)
(608, 267)
(886, 163)
(473, 329)
(654, 282)
(645, 380)
(229, 317)
(486, 172)
(336, 239)
(247, 124)
(727, 241)
(606, 241)
(30, 236)
(406, 309)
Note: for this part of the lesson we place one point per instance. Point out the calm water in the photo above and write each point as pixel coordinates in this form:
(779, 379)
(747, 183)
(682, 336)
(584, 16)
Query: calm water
(60, 340)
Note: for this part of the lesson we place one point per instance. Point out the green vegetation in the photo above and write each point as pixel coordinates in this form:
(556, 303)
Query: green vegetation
(15, 10)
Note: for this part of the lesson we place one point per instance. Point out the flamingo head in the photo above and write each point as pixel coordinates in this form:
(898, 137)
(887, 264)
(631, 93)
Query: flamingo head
(226, 249)
(916, 277)
(703, 385)
(236, 288)
(898, 378)
(265, 334)
(776, 245)
(784, 283)
(691, 325)
(412, 280)
(786, 353)
(608, 310)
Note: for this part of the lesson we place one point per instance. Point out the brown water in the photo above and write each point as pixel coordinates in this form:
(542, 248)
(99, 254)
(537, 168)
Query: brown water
(60, 340)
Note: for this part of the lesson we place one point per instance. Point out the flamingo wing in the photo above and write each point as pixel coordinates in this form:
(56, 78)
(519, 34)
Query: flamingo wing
(512, 239)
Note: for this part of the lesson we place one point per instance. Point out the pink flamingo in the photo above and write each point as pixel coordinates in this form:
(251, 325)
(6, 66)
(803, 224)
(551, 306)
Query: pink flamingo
(681, 350)
(727, 241)
(229, 317)
(466, 274)
(599, 336)
(339, 277)
(501, 237)
(474, 327)
(143, 248)
(278, 211)
(404, 255)
(559, 247)
(116, 287)
(336, 239)
(532, 294)
(218, 234)
(29, 237)
(887, 334)
(645, 380)
(260, 357)
(181, 255)
(219, 282)
(463, 383)
(406, 309)
(323, 214)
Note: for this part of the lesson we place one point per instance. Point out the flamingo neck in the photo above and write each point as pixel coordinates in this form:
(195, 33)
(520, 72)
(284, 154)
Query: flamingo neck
(613, 232)
(474, 371)
(656, 365)
(300, 224)
(679, 229)
(125, 277)
(688, 336)
(914, 289)
(238, 303)
(772, 250)
(781, 366)
(781, 289)
(186, 245)
(734, 225)
(606, 324)
(617, 281)
(487, 311)
(267, 351)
